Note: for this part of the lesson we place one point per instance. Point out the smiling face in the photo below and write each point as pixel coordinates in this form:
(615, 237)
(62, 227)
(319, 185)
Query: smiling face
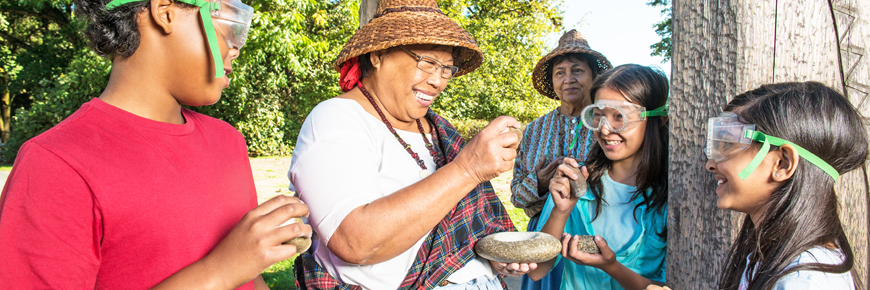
(572, 79)
(619, 147)
(747, 196)
(405, 91)
(192, 80)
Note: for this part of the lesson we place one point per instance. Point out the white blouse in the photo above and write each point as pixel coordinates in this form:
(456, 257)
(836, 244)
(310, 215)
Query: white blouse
(346, 158)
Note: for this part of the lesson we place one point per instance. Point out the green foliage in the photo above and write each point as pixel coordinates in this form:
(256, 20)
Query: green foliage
(280, 275)
(512, 36)
(284, 70)
(57, 97)
(38, 41)
(664, 29)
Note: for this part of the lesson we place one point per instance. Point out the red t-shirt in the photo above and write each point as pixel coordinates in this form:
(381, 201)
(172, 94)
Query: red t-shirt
(110, 200)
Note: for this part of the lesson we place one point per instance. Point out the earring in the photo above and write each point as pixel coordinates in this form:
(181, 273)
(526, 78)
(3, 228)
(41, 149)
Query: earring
(776, 174)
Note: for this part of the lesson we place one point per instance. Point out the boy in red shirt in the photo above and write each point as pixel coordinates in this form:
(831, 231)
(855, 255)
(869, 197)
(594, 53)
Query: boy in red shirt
(133, 191)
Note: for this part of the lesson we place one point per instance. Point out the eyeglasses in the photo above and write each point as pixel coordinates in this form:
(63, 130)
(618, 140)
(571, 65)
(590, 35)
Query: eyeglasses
(431, 65)
(232, 19)
(617, 116)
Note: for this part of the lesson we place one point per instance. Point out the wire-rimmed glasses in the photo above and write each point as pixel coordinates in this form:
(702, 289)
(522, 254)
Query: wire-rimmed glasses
(431, 65)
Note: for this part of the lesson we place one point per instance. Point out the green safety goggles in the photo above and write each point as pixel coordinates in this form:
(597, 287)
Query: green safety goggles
(618, 116)
(727, 136)
(232, 19)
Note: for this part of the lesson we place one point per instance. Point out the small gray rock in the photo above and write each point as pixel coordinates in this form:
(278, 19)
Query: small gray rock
(302, 243)
(518, 247)
(587, 244)
(516, 131)
(578, 187)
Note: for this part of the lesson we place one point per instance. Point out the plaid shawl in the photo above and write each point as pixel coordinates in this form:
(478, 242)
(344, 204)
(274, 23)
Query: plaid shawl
(449, 246)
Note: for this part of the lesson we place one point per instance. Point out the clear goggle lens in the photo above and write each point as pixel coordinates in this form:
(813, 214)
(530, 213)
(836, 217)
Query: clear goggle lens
(233, 20)
(726, 137)
(616, 115)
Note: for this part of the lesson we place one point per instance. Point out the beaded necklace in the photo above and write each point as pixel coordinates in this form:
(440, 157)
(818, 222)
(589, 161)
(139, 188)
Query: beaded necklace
(423, 170)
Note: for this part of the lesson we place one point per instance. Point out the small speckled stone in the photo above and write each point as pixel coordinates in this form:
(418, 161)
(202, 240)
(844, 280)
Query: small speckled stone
(518, 247)
(587, 244)
(302, 243)
(578, 187)
(515, 131)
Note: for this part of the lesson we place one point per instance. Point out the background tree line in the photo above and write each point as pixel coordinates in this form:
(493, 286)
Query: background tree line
(47, 70)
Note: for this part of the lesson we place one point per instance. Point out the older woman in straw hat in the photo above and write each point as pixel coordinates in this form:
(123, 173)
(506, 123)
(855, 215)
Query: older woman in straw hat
(393, 201)
(565, 74)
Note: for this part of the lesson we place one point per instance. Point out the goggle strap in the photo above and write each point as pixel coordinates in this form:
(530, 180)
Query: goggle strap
(205, 13)
(576, 134)
(212, 41)
(657, 112)
(200, 3)
(768, 140)
(765, 146)
(116, 3)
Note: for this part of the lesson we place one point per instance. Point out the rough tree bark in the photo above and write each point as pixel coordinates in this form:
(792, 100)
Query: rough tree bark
(722, 48)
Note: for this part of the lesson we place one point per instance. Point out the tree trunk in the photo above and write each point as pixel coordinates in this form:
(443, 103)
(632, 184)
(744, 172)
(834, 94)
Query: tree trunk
(723, 48)
(5, 115)
(702, 79)
(367, 9)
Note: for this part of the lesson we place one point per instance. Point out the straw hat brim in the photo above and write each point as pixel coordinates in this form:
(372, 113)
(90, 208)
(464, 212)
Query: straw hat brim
(544, 83)
(409, 28)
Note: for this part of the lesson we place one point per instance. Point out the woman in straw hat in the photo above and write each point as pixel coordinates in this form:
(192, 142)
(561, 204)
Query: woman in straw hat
(565, 74)
(365, 164)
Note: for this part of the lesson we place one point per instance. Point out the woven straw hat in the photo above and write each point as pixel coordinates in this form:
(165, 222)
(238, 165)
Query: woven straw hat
(407, 22)
(570, 42)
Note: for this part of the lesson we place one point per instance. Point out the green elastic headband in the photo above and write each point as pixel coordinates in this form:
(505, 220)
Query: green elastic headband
(205, 12)
(765, 147)
(657, 112)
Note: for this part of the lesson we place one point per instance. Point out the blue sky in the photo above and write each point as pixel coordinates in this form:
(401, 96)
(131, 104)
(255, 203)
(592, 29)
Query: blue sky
(622, 30)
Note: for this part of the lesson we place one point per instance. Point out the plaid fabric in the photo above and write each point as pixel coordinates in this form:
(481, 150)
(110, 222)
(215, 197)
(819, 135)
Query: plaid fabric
(449, 246)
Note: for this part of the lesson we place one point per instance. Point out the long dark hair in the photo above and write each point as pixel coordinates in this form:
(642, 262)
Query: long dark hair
(803, 212)
(649, 88)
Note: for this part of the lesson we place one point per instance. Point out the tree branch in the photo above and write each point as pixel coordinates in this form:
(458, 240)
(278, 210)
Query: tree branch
(14, 41)
(51, 14)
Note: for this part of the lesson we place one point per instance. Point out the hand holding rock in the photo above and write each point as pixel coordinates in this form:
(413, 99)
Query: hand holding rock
(490, 153)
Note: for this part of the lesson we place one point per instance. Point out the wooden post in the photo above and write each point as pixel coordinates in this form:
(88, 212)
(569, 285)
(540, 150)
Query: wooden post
(725, 47)
(367, 9)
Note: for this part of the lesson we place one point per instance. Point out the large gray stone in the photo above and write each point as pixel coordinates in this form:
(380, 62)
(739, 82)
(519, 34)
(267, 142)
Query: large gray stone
(518, 247)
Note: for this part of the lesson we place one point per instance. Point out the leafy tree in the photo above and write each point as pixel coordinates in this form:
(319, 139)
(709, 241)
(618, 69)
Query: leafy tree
(46, 70)
(512, 36)
(285, 69)
(663, 29)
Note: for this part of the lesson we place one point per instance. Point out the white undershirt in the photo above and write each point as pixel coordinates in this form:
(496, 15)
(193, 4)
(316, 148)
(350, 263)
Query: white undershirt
(345, 158)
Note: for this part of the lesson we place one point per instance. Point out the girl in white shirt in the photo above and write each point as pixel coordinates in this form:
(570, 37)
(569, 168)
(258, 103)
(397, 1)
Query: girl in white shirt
(776, 153)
